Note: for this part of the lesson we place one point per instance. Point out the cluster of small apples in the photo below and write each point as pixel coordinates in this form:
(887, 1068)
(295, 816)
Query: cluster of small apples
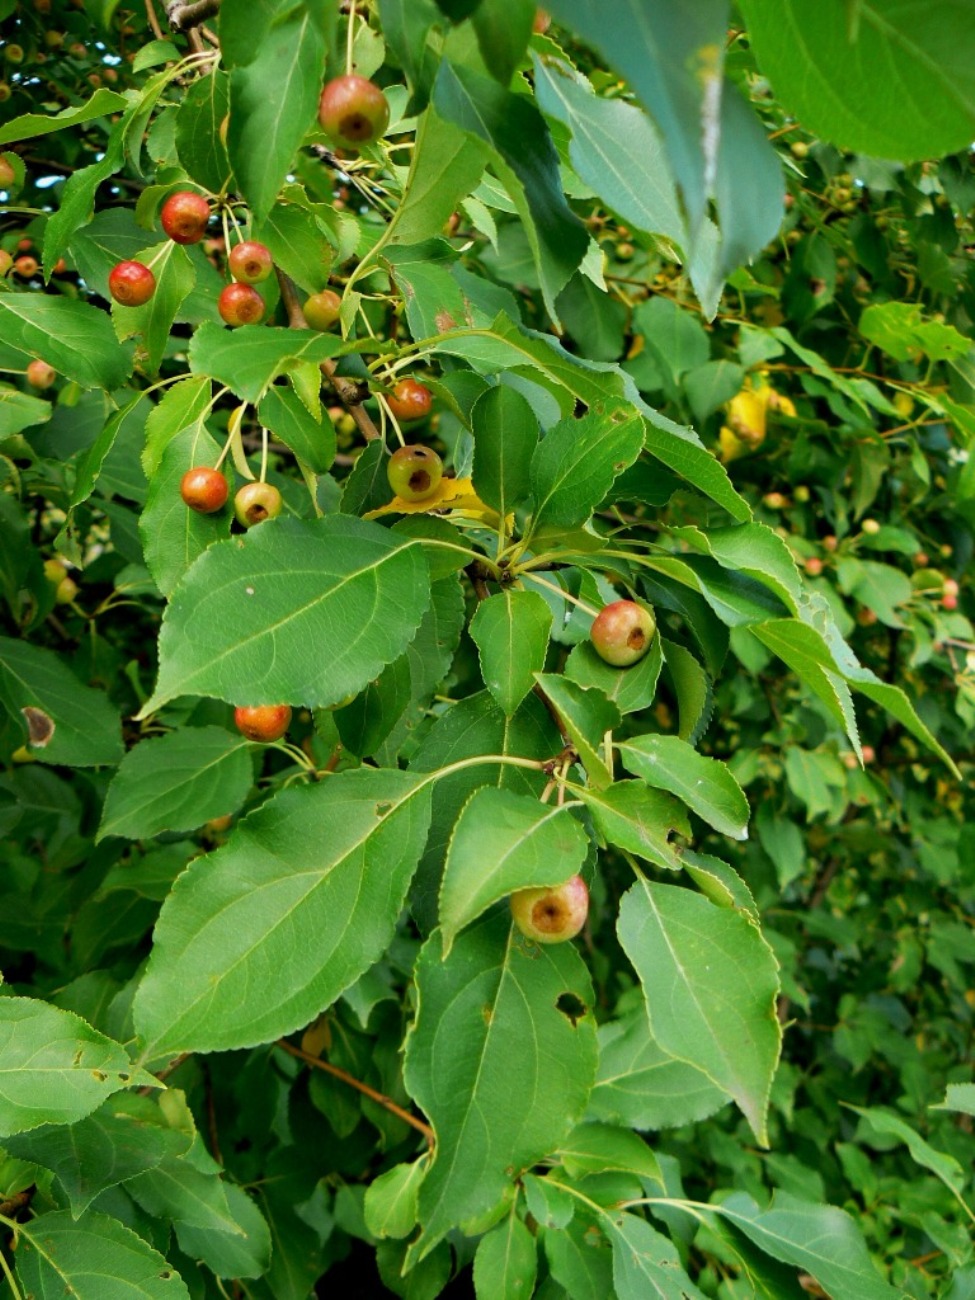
(185, 217)
(205, 490)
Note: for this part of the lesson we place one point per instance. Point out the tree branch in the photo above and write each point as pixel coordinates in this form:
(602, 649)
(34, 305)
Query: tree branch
(350, 392)
(379, 1097)
(181, 16)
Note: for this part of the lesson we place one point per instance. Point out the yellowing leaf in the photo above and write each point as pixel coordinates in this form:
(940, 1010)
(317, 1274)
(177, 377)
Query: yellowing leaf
(453, 496)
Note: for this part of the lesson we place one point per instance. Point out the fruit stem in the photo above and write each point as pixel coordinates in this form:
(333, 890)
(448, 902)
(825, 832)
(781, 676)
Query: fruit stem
(263, 476)
(559, 591)
(388, 415)
(349, 40)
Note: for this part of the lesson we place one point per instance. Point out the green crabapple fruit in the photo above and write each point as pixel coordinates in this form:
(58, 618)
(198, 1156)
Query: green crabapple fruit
(551, 915)
(322, 309)
(621, 633)
(184, 217)
(7, 174)
(410, 400)
(204, 489)
(250, 262)
(131, 283)
(263, 722)
(353, 111)
(255, 502)
(414, 472)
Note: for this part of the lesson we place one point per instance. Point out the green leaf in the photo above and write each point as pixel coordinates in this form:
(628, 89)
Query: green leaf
(391, 1202)
(77, 197)
(960, 1097)
(704, 784)
(675, 339)
(692, 686)
(286, 415)
(494, 990)
(580, 1261)
(54, 1068)
(250, 358)
(819, 1239)
(471, 727)
(273, 101)
(64, 721)
(900, 329)
(179, 1190)
(297, 245)
(638, 819)
(645, 1263)
(883, 79)
(630, 689)
(673, 58)
(511, 631)
(173, 536)
(127, 1135)
(176, 783)
(802, 648)
(549, 1204)
(91, 463)
(20, 411)
(944, 1167)
(199, 119)
(594, 1148)
(503, 29)
(527, 162)
(243, 1254)
(639, 1084)
(505, 432)
(30, 125)
(175, 278)
(286, 613)
(615, 148)
(93, 1258)
(407, 25)
(73, 337)
(506, 1261)
(502, 842)
(587, 716)
(256, 939)
(364, 724)
(184, 405)
(574, 465)
(447, 165)
(710, 981)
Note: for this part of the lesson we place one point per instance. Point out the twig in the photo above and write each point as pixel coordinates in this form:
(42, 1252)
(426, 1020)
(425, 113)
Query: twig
(153, 20)
(182, 17)
(379, 1097)
(350, 392)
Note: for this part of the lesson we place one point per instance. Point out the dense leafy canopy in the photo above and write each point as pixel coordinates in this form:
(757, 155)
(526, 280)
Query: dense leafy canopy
(690, 288)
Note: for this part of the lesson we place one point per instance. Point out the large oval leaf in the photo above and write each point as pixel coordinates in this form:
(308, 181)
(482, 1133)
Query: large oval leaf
(294, 612)
(54, 1068)
(710, 981)
(258, 937)
(93, 1258)
(523, 1077)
